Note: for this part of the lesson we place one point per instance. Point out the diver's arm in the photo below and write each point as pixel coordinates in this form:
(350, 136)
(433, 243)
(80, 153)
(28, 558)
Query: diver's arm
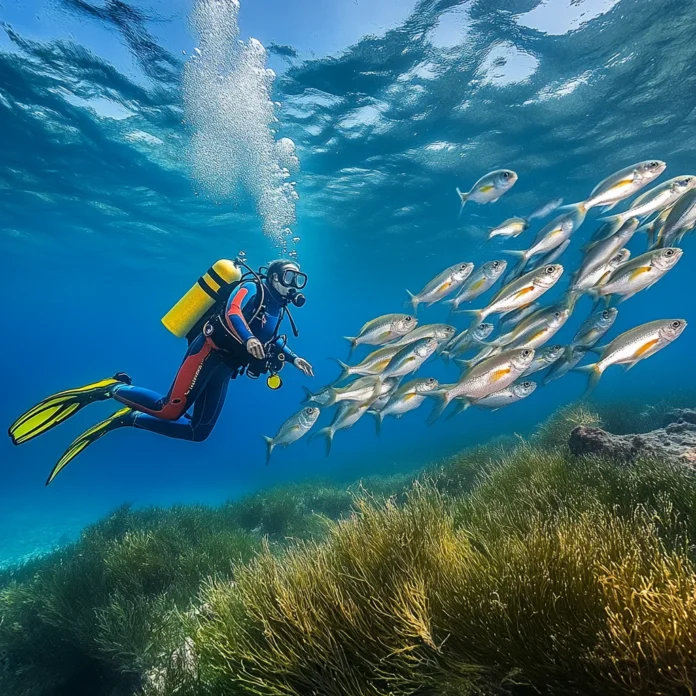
(236, 322)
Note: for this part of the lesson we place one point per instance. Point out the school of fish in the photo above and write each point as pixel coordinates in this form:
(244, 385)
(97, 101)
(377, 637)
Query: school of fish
(496, 372)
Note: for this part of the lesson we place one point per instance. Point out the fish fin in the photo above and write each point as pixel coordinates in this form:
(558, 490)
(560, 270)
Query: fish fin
(463, 197)
(443, 401)
(353, 340)
(594, 372)
(478, 315)
(460, 407)
(609, 207)
(631, 365)
(345, 369)
(623, 298)
(269, 448)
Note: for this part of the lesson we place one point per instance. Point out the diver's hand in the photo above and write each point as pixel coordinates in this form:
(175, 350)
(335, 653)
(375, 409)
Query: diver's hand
(304, 366)
(255, 348)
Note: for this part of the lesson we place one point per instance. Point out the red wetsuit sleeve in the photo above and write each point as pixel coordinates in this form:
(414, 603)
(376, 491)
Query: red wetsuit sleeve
(243, 297)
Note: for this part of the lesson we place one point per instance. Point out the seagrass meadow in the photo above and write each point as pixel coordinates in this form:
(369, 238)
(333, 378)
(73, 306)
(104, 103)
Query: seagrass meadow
(511, 568)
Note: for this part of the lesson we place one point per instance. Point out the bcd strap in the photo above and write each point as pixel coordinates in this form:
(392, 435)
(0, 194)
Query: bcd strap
(217, 278)
(207, 289)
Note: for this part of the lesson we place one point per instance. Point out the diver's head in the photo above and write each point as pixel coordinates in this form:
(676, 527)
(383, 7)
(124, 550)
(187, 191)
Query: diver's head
(286, 280)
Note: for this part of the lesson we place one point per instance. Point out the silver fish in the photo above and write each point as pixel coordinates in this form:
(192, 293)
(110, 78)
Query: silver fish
(564, 366)
(655, 199)
(440, 332)
(292, 430)
(512, 227)
(633, 346)
(593, 278)
(383, 329)
(638, 273)
(624, 183)
(363, 389)
(467, 339)
(552, 256)
(544, 358)
(594, 327)
(505, 397)
(510, 319)
(478, 282)
(490, 375)
(489, 188)
(406, 398)
(601, 252)
(347, 415)
(538, 328)
(550, 236)
(520, 292)
(545, 209)
(373, 364)
(441, 285)
(681, 219)
(410, 358)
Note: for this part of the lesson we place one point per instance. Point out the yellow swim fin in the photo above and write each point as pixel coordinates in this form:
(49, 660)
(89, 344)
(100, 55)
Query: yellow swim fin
(56, 409)
(117, 420)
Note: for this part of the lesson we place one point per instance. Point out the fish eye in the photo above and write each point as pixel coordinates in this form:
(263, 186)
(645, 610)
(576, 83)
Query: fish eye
(605, 314)
(495, 264)
(654, 165)
(669, 252)
(557, 347)
(526, 353)
(409, 318)
(549, 270)
(676, 324)
(526, 385)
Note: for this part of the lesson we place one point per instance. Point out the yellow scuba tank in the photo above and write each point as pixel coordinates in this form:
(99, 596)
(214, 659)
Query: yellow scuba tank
(182, 317)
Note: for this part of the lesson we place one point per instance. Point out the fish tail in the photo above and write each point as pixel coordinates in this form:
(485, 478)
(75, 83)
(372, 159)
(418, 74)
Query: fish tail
(522, 256)
(379, 419)
(572, 297)
(615, 221)
(594, 371)
(580, 207)
(413, 301)
(345, 369)
(463, 197)
(353, 340)
(328, 433)
(443, 400)
(309, 396)
(269, 447)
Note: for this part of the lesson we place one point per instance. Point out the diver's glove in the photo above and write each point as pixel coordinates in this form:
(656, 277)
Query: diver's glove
(255, 348)
(304, 366)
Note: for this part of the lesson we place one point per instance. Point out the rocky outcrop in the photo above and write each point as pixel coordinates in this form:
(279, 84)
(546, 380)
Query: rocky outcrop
(675, 441)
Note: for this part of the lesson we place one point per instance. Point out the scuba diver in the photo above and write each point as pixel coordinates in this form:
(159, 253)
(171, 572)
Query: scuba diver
(232, 322)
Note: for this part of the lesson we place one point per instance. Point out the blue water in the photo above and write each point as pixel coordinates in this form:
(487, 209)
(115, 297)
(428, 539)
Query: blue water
(108, 212)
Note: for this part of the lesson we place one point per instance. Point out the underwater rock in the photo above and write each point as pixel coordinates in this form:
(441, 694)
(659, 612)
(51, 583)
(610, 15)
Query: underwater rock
(676, 441)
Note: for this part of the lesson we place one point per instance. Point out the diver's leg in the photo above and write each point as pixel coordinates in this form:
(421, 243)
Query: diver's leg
(206, 411)
(199, 363)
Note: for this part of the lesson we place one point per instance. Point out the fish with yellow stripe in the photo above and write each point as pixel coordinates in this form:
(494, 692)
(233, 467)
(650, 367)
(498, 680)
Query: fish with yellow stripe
(478, 282)
(637, 274)
(489, 376)
(631, 347)
(520, 292)
(489, 188)
(382, 330)
(406, 398)
(374, 364)
(443, 284)
(623, 184)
